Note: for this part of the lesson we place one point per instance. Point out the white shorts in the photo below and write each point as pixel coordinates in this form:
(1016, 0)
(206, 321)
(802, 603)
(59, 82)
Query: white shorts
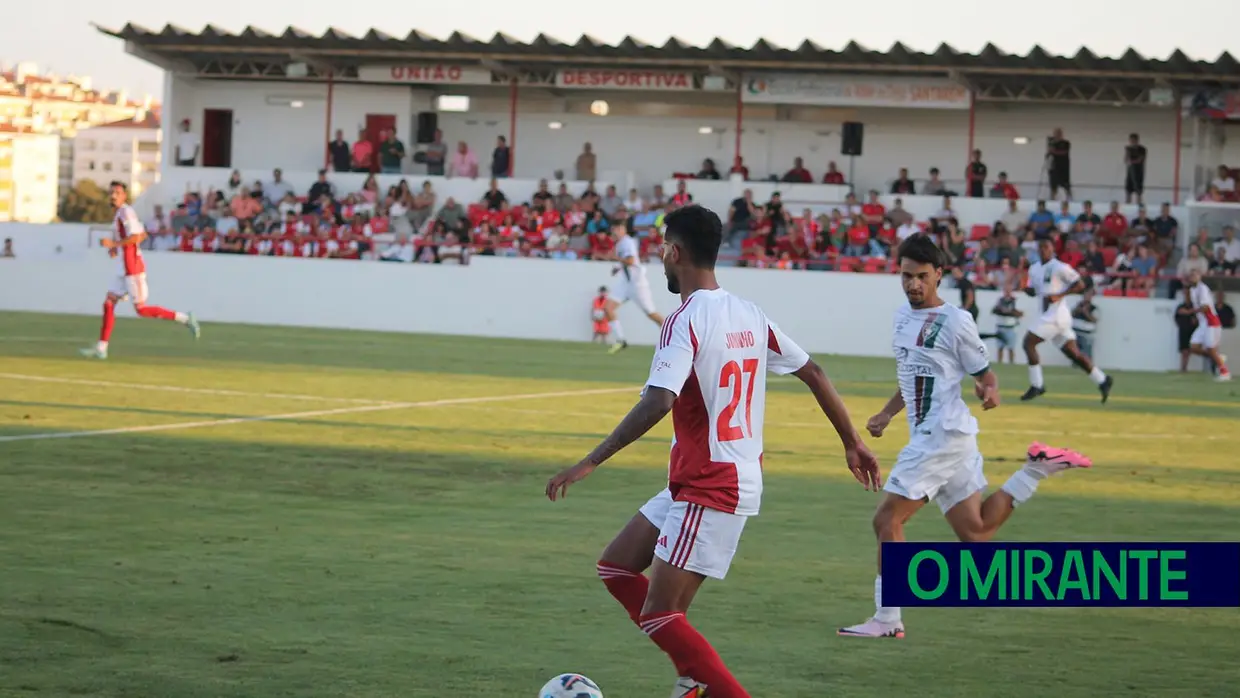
(693, 537)
(1206, 337)
(637, 291)
(945, 469)
(130, 288)
(1054, 329)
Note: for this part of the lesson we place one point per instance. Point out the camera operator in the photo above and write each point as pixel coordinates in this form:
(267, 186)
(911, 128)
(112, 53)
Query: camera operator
(1134, 161)
(1059, 164)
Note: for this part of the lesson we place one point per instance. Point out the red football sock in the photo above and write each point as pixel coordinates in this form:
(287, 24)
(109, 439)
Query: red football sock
(109, 319)
(687, 648)
(630, 588)
(156, 312)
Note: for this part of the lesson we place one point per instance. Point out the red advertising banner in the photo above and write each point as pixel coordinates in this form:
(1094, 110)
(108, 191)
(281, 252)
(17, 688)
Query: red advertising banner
(604, 79)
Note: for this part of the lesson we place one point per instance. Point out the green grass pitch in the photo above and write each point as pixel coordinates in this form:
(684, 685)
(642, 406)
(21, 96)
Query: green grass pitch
(389, 537)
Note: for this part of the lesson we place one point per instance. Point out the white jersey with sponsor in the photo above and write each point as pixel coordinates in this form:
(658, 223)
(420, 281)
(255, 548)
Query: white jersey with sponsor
(1053, 278)
(713, 353)
(1202, 297)
(935, 349)
(626, 248)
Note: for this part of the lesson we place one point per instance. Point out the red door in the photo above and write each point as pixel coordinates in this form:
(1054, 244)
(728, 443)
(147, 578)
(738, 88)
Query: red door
(376, 124)
(217, 137)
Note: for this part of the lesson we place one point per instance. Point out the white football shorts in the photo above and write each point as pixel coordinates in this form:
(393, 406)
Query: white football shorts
(693, 537)
(1055, 328)
(131, 288)
(945, 469)
(636, 290)
(1206, 337)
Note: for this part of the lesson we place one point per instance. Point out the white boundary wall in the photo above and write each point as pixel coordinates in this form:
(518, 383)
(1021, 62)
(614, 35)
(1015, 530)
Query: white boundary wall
(832, 313)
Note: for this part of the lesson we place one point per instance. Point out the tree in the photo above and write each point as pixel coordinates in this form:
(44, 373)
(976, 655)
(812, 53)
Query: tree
(86, 203)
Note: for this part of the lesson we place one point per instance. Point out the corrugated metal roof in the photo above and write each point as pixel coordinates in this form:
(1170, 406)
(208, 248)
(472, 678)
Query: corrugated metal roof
(808, 55)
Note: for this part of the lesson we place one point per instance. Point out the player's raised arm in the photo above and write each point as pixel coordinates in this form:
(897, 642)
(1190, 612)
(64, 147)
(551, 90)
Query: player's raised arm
(783, 357)
(672, 364)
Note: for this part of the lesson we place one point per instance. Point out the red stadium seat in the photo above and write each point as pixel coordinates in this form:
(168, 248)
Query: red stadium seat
(980, 232)
(380, 224)
(875, 265)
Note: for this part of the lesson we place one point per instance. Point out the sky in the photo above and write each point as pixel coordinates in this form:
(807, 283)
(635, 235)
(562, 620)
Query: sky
(57, 34)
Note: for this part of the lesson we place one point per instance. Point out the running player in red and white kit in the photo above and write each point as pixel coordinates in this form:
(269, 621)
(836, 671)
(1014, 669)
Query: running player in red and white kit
(1205, 339)
(128, 234)
(709, 371)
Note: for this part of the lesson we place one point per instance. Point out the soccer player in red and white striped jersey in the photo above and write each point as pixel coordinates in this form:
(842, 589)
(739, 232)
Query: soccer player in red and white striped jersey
(1206, 337)
(128, 234)
(709, 372)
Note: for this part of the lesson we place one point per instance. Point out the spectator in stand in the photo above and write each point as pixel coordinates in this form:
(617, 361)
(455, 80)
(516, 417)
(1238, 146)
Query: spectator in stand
(833, 175)
(975, 176)
(544, 194)
(1230, 248)
(423, 206)
(682, 197)
(873, 212)
(1006, 247)
(1095, 262)
(1114, 226)
(1134, 163)
(954, 242)
(907, 230)
(852, 209)
(777, 216)
(391, 154)
(934, 186)
(363, 153)
(464, 163)
(1072, 255)
(501, 159)
(1145, 265)
(1224, 182)
(657, 200)
(1213, 194)
(453, 217)
(738, 167)
(563, 199)
(276, 189)
(436, 155)
(244, 207)
(1087, 223)
(494, 199)
(903, 185)
(338, 153)
(370, 190)
(611, 202)
(1065, 220)
(187, 146)
(945, 216)
(634, 202)
(158, 223)
(798, 174)
(708, 170)
(1143, 227)
(587, 164)
(288, 205)
(1218, 263)
(1059, 164)
(321, 188)
(897, 215)
(8, 252)
(1004, 189)
(1014, 219)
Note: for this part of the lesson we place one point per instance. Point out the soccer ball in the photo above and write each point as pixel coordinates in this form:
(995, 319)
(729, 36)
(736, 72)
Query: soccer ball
(570, 686)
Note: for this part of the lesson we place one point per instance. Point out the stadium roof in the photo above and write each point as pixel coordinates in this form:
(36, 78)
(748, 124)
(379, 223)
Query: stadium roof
(761, 55)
